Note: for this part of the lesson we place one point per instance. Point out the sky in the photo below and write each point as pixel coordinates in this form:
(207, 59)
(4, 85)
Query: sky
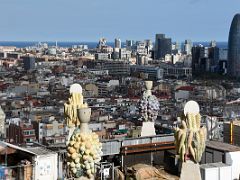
(88, 20)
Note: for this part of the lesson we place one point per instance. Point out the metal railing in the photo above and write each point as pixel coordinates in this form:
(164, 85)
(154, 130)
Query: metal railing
(112, 147)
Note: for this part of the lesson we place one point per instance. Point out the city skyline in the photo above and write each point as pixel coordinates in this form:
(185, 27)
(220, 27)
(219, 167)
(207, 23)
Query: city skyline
(199, 20)
(128, 89)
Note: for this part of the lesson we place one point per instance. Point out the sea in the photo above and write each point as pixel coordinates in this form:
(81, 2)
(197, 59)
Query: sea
(23, 44)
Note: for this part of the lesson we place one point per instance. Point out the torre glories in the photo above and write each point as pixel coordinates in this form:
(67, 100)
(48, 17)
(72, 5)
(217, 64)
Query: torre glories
(234, 47)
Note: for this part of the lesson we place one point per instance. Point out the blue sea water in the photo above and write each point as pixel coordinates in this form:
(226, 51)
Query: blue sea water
(22, 44)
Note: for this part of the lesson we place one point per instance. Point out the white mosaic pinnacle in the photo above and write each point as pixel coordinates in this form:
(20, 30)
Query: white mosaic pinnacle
(191, 107)
(75, 88)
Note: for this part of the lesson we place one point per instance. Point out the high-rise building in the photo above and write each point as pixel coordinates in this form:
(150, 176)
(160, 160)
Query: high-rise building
(205, 59)
(140, 47)
(129, 44)
(176, 48)
(234, 47)
(163, 46)
(200, 60)
(148, 45)
(118, 43)
(28, 63)
(187, 46)
(213, 54)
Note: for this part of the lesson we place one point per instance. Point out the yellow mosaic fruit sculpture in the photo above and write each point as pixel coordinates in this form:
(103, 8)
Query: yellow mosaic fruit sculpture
(190, 138)
(84, 150)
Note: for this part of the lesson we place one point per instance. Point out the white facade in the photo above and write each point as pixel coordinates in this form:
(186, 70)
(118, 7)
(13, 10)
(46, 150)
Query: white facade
(233, 159)
(224, 171)
(52, 129)
(46, 167)
(216, 171)
(124, 54)
(113, 83)
(102, 56)
(209, 172)
(99, 72)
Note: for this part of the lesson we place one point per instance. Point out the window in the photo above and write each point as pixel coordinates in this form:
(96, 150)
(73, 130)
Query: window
(26, 132)
(29, 132)
(29, 140)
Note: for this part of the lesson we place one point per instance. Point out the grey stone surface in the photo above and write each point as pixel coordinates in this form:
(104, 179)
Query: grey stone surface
(190, 171)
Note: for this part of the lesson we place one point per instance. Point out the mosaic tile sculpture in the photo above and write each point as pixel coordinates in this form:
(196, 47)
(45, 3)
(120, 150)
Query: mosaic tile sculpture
(83, 148)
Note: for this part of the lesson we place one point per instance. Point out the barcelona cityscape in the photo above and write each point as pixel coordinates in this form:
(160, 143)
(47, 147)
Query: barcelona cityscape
(120, 90)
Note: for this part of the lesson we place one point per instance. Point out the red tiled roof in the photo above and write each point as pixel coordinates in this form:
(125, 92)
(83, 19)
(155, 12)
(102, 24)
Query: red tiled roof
(185, 88)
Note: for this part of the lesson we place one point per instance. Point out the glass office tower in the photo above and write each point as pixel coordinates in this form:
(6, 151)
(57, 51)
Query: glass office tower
(234, 47)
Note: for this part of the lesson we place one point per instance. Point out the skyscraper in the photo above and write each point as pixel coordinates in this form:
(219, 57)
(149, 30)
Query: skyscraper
(129, 44)
(204, 59)
(200, 60)
(148, 45)
(187, 46)
(234, 47)
(213, 54)
(118, 43)
(163, 46)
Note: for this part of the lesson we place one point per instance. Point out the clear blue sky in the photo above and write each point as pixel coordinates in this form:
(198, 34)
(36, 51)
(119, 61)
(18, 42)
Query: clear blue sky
(88, 20)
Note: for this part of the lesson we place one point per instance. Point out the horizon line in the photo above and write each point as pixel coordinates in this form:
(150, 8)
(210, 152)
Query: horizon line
(98, 40)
